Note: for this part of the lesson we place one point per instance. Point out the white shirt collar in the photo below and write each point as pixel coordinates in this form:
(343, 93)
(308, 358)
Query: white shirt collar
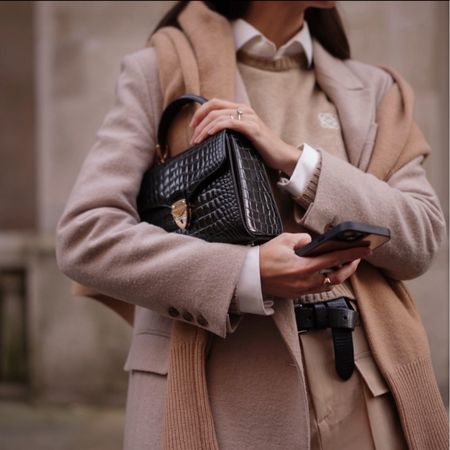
(248, 38)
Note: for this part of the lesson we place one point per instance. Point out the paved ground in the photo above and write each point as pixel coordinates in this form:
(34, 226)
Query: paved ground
(41, 427)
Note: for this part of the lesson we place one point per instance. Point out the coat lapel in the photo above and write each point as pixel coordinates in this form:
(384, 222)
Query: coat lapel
(354, 101)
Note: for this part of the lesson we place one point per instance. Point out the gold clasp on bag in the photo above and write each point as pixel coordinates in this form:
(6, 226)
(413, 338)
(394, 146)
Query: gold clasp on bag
(181, 213)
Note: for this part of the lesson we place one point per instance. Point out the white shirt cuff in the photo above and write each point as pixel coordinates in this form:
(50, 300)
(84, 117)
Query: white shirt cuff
(248, 289)
(303, 172)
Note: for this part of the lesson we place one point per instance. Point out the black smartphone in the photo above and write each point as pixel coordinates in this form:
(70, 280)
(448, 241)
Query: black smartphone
(344, 236)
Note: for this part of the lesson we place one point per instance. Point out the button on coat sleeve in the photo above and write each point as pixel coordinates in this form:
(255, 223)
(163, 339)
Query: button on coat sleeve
(102, 244)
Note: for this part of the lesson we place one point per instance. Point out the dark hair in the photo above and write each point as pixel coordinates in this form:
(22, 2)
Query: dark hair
(324, 24)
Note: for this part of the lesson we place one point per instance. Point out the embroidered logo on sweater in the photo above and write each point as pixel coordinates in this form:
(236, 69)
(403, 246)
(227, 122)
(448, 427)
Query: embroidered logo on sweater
(329, 120)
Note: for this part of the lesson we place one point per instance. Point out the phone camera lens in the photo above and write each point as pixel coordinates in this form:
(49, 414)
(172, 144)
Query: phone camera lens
(352, 235)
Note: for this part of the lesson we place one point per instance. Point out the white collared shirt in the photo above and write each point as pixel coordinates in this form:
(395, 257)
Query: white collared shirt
(252, 41)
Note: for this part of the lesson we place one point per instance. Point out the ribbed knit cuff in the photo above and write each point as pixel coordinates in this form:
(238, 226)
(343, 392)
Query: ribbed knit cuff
(309, 194)
(339, 290)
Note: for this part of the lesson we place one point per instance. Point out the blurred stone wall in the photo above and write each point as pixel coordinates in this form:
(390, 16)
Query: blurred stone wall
(76, 347)
(17, 119)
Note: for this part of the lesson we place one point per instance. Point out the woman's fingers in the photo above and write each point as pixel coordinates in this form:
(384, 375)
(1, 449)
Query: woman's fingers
(286, 275)
(334, 259)
(210, 105)
(339, 276)
(208, 120)
(316, 282)
(223, 122)
(299, 240)
(217, 114)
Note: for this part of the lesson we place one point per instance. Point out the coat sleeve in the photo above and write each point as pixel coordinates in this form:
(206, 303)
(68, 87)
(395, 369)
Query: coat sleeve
(406, 204)
(100, 241)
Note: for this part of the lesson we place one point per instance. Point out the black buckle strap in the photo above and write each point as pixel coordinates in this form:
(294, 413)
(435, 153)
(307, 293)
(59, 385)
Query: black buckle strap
(338, 315)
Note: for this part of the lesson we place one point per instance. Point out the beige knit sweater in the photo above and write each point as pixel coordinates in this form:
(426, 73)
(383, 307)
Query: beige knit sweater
(306, 117)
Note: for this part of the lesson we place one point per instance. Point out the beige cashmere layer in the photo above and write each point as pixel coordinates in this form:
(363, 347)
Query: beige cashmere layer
(293, 105)
(306, 117)
(100, 226)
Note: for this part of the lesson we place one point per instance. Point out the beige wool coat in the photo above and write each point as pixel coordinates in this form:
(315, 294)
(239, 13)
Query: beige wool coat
(252, 383)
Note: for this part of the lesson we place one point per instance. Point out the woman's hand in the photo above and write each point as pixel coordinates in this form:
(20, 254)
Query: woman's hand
(287, 275)
(217, 114)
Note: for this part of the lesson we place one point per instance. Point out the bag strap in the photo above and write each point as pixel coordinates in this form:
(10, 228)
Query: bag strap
(167, 116)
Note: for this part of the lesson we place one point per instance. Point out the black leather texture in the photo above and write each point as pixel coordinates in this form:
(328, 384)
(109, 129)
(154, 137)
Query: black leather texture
(224, 182)
(337, 314)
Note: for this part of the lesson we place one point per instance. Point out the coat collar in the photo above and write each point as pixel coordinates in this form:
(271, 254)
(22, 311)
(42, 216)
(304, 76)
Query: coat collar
(354, 101)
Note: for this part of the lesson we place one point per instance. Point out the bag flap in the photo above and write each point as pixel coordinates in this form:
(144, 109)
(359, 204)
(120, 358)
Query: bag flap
(181, 176)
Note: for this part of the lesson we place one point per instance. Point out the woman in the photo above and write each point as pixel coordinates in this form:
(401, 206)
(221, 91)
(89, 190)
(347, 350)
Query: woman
(320, 121)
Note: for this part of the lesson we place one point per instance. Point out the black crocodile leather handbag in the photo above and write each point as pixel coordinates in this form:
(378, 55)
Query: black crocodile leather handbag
(217, 190)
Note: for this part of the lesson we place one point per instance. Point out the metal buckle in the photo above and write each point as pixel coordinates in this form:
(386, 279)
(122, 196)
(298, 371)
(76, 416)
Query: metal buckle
(300, 306)
(181, 213)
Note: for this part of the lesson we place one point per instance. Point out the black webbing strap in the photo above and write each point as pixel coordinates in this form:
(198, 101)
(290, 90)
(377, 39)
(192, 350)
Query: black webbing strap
(341, 318)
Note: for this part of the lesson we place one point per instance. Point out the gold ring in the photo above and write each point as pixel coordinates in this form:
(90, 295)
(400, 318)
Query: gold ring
(326, 281)
(239, 113)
